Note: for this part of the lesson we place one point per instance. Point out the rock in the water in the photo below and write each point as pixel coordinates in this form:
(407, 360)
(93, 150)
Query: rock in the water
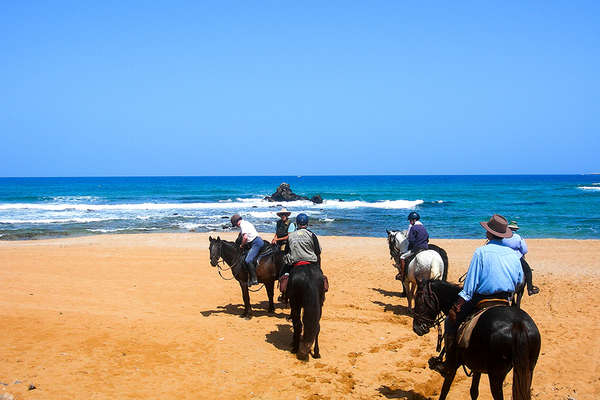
(284, 193)
(317, 199)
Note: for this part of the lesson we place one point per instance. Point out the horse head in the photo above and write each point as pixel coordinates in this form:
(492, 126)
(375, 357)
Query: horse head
(398, 242)
(214, 248)
(427, 308)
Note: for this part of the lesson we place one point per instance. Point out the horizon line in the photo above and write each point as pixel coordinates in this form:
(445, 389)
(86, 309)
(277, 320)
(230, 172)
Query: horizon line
(289, 176)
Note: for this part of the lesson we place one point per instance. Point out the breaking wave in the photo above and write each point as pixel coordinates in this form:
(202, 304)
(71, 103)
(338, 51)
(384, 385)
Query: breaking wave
(239, 204)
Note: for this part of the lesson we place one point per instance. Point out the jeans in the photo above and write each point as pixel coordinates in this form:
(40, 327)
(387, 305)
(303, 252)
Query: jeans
(257, 244)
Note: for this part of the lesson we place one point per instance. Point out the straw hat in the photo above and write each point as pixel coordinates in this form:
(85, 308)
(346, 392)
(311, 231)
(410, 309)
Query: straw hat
(497, 226)
(284, 211)
(513, 225)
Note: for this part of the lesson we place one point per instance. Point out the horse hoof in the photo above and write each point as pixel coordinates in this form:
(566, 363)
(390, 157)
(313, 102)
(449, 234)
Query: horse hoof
(271, 310)
(317, 355)
(301, 357)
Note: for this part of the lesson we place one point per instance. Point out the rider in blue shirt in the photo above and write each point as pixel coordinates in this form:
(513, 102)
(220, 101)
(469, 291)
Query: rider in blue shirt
(494, 273)
(517, 243)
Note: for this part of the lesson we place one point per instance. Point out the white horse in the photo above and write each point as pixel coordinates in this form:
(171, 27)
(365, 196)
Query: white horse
(428, 264)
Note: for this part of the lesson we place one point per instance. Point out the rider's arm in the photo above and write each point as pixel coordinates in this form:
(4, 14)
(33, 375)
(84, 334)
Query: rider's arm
(317, 247)
(412, 235)
(473, 275)
(244, 240)
(523, 247)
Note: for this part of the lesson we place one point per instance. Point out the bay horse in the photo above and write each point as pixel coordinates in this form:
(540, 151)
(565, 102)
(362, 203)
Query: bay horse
(427, 264)
(306, 292)
(267, 269)
(504, 338)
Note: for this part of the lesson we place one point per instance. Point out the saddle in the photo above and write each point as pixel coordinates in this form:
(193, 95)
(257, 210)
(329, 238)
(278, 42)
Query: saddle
(264, 251)
(465, 329)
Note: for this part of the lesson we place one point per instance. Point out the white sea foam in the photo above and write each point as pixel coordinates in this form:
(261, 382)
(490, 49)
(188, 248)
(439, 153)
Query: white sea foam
(327, 219)
(190, 226)
(122, 229)
(589, 187)
(245, 204)
(387, 204)
(53, 221)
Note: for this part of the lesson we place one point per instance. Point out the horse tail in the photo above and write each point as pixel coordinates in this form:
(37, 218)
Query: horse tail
(444, 256)
(522, 373)
(311, 316)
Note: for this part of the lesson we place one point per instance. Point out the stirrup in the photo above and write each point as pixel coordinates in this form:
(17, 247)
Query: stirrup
(438, 365)
(533, 290)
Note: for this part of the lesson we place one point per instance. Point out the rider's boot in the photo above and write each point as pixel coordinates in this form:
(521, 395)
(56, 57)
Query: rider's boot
(400, 275)
(252, 272)
(449, 366)
(283, 281)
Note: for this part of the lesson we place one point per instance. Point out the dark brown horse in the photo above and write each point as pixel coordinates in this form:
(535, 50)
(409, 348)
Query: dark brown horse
(307, 294)
(504, 338)
(267, 270)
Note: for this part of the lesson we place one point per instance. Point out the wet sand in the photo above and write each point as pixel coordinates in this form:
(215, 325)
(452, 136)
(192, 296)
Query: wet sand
(147, 317)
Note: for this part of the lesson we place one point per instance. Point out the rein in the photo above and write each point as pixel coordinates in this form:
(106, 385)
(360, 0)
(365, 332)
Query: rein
(222, 266)
(433, 303)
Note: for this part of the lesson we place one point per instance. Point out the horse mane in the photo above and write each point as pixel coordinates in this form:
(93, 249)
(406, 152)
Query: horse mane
(447, 292)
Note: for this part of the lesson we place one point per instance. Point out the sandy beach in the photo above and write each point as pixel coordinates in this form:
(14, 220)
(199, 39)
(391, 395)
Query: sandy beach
(147, 317)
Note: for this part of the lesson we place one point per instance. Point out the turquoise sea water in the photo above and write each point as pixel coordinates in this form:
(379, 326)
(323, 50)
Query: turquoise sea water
(563, 206)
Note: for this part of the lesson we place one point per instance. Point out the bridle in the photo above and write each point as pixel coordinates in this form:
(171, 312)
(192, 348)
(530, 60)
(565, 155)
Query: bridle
(432, 302)
(221, 265)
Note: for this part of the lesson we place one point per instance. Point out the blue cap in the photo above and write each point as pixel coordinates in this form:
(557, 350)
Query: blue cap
(302, 219)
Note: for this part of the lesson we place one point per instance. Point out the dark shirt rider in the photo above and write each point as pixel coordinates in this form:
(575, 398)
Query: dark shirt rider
(418, 240)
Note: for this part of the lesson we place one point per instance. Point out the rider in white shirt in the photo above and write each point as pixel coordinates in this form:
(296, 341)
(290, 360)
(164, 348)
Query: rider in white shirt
(250, 236)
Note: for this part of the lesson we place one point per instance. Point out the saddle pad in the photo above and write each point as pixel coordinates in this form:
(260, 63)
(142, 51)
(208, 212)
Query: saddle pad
(466, 328)
(266, 250)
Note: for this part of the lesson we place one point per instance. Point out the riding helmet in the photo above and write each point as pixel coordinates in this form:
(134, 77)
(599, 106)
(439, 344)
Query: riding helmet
(302, 219)
(235, 218)
(414, 215)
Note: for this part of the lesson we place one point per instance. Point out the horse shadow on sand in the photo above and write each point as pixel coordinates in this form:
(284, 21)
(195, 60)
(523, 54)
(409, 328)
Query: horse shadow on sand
(281, 338)
(400, 394)
(258, 310)
(397, 309)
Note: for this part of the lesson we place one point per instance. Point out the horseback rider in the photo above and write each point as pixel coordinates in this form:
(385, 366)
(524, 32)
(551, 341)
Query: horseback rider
(417, 242)
(303, 248)
(251, 238)
(494, 273)
(517, 243)
(284, 227)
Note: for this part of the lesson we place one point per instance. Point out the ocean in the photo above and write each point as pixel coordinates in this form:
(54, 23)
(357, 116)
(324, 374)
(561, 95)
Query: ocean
(545, 206)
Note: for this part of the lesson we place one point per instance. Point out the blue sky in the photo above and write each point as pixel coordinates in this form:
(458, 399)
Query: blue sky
(275, 88)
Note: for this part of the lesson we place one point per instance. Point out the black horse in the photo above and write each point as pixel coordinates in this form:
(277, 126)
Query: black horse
(306, 291)
(267, 270)
(505, 337)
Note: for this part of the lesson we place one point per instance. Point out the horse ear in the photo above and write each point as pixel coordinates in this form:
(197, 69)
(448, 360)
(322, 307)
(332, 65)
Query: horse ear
(388, 232)
(218, 239)
(210, 239)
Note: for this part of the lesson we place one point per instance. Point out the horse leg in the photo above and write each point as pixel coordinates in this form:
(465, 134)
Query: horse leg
(246, 296)
(411, 295)
(316, 353)
(297, 323)
(446, 385)
(496, 386)
(270, 286)
(475, 385)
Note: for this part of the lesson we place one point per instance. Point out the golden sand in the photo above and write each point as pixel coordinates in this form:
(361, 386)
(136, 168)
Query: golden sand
(146, 317)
